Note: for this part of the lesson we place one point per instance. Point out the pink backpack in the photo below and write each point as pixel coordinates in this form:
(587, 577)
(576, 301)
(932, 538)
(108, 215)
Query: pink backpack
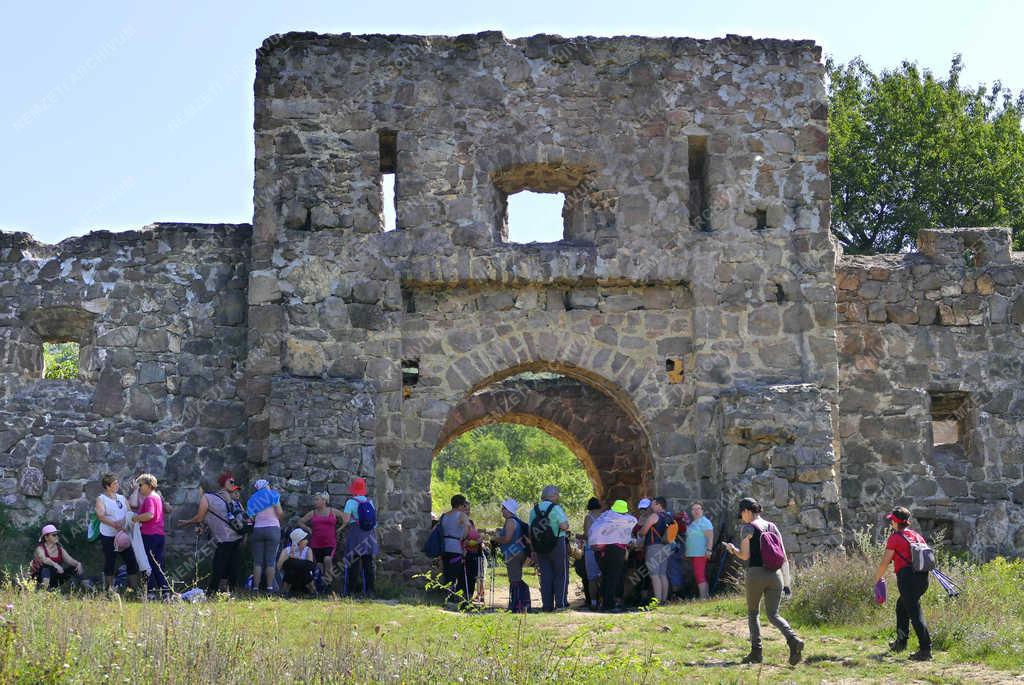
(773, 553)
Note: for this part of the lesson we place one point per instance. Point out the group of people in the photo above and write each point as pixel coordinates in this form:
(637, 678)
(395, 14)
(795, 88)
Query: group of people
(653, 535)
(131, 529)
(613, 542)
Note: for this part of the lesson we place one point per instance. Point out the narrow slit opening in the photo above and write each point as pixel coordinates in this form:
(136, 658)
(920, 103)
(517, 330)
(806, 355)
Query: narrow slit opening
(388, 151)
(698, 168)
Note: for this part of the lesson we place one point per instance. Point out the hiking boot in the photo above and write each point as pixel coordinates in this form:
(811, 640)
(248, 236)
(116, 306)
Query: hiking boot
(897, 645)
(755, 656)
(921, 655)
(796, 651)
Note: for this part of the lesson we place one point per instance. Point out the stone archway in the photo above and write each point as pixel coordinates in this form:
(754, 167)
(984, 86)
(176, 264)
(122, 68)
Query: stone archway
(606, 437)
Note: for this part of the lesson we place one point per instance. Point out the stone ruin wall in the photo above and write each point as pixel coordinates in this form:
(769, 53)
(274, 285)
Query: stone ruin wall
(936, 334)
(746, 308)
(279, 350)
(160, 315)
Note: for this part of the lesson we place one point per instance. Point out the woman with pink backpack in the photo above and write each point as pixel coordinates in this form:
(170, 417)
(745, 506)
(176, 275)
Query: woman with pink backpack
(767, 576)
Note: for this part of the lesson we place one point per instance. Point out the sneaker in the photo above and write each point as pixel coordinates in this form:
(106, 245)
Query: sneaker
(921, 655)
(897, 645)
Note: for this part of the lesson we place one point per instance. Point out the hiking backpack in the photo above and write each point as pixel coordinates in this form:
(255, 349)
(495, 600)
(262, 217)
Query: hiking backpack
(366, 515)
(434, 547)
(671, 526)
(543, 537)
(773, 553)
(922, 557)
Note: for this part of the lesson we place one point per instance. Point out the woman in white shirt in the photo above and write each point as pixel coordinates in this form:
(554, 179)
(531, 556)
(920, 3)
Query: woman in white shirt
(112, 511)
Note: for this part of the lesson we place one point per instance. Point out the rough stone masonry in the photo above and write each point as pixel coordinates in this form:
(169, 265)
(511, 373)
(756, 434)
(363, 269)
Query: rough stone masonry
(696, 332)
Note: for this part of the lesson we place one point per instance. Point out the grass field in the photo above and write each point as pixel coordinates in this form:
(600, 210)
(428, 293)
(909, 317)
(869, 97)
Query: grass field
(46, 638)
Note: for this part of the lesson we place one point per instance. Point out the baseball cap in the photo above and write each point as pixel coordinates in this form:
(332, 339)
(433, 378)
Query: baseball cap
(901, 514)
(644, 504)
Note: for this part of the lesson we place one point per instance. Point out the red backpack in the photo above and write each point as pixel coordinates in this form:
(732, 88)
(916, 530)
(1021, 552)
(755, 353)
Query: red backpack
(773, 553)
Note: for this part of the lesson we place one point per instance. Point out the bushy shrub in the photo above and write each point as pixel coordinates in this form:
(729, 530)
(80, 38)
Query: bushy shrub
(837, 587)
(986, 620)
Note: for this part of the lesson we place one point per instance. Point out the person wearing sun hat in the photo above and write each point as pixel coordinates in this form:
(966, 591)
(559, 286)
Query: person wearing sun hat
(296, 564)
(513, 537)
(609, 537)
(361, 545)
(911, 584)
(51, 564)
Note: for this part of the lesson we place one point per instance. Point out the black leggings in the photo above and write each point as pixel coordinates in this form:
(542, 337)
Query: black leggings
(612, 561)
(912, 585)
(110, 557)
(226, 562)
(455, 575)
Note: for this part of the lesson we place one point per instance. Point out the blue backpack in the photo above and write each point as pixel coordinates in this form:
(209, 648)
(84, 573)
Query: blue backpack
(434, 546)
(366, 515)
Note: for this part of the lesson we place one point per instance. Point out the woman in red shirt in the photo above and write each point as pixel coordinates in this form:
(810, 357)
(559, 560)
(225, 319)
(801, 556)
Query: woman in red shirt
(911, 584)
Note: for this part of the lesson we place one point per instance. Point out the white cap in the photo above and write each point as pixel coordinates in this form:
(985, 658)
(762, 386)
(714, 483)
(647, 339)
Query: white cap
(644, 504)
(511, 505)
(260, 484)
(298, 535)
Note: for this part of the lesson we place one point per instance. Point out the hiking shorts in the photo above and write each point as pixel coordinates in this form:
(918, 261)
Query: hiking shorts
(656, 558)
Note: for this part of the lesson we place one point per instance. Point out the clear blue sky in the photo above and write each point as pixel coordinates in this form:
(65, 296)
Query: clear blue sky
(139, 112)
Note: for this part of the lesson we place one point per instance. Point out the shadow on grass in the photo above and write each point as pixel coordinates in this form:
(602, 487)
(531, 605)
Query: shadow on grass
(830, 659)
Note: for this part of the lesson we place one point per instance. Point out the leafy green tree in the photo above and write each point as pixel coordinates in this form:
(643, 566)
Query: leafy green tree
(497, 461)
(60, 361)
(910, 151)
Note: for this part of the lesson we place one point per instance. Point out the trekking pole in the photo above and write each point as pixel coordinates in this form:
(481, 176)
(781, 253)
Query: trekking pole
(492, 566)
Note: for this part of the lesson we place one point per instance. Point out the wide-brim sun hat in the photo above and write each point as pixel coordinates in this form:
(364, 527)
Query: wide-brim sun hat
(298, 535)
(620, 507)
(358, 487)
(510, 505)
(47, 529)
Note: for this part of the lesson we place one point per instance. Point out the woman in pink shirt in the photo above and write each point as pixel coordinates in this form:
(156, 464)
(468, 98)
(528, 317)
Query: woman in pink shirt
(322, 524)
(150, 518)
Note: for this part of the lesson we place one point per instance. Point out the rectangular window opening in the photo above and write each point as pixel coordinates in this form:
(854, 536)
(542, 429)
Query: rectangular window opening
(533, 217)
(61, 360)
(388, 151)
(698, 172)
(410, 372)
(949, 418)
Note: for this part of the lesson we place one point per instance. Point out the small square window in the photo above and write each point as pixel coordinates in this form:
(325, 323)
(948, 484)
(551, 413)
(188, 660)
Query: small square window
(61, 361)
(949, 417)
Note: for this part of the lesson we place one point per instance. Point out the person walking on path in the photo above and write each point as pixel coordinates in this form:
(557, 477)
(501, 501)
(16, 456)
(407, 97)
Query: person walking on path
(700, 541)
(656, 551)
(216, 511)
(513, 538)
(322, 525)
(763, 581)
(264, 507)
(361, 545)
(549, 528)
(911, 584)
(150, 516)
(112, 512)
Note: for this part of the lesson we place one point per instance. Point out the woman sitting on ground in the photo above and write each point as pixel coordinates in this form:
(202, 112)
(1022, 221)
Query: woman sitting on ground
(322, 524)
(296, 565)
(51, 564)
